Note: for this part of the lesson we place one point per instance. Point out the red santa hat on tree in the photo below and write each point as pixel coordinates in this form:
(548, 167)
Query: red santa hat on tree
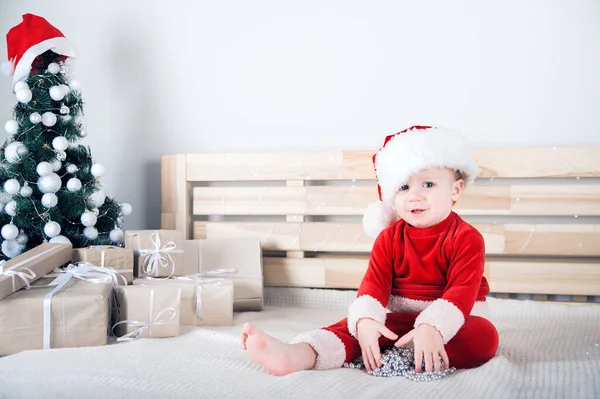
(406, 153)
(29, 39)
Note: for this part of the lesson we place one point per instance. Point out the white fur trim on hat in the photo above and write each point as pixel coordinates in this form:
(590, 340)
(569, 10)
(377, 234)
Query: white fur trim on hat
(406, 154)
(59, 45)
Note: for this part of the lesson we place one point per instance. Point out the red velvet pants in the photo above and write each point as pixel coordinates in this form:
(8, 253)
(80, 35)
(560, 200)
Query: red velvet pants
(475, 343)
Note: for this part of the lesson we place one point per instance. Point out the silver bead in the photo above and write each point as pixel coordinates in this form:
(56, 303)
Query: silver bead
(64, 110)
(82, 133)
(96, 211)
(71, 168)
(61, 155)
(64, 69)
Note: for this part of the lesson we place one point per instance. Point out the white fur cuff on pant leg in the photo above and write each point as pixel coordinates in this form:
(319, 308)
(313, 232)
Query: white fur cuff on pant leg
(365, 306)
(331, 352)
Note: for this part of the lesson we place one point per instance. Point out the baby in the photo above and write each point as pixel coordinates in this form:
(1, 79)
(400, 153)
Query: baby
(424, 285)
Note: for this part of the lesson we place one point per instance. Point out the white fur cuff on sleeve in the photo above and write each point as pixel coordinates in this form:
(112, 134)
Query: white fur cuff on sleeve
(365, 306)
(444, 316)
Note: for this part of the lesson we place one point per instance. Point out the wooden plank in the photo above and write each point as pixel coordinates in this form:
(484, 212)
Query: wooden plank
(532, 162)
(551, 200)
(527, 162)
(515, 276)
(175, 204)
(509, 239)
(532, 276)
(295, 218)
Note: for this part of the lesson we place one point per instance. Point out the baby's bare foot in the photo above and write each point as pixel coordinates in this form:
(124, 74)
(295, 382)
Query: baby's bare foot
(274, 355)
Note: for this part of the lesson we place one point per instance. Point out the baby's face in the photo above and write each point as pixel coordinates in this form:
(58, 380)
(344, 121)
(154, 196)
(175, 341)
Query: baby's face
(426, 199)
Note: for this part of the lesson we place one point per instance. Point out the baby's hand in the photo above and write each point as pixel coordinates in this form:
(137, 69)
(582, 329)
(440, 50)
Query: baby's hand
(429, 345)
(368, 333)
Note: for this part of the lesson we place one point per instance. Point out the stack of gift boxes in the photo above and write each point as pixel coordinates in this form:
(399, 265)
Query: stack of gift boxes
(54, 296)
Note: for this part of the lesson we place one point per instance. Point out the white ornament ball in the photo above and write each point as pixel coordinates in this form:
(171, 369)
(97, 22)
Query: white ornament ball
(11, 126)
(126, 208)
(9, 231)
(12, 151)
(74, 84)
(26, 191)
(74, 184)
(11, 208)
(49, 184)
(116, 235)
(52, 229)
(49, 200)
(71, 168)
(97, 198)
(35, 118)
(22, 239)
(57, 93)
(53, 68)
(60, 240)
(20, 85)
(91, 233)
(66, 89)
(56, 165)
(48, 119)
(11, 248)
(88, 219)
(12, 186)
(44, 168)
(24, 95)
(60, 143)
(98, 170)
(22, 151)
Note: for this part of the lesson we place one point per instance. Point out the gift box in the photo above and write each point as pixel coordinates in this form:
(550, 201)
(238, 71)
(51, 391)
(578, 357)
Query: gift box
(156, 253)
(147, 311)
(21, 270)
(69, 313)
(119, 259)
(204, 302)
(238, 259)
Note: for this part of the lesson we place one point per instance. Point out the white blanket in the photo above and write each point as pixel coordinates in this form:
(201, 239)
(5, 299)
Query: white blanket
(542, 354)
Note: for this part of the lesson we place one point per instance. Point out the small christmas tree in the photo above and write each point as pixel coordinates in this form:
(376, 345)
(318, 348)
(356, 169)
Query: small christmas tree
(50, 185)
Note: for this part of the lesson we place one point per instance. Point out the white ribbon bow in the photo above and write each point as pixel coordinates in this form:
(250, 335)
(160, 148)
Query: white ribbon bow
(153, 258)
(160, 318)
(25, 274)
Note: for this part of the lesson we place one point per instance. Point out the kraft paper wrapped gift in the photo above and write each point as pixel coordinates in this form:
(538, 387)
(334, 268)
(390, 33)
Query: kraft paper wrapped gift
(147, 311)
(157, 253)
(204, 302)
(21, 270)
(78, 310)
(120, 259)
(238, 259)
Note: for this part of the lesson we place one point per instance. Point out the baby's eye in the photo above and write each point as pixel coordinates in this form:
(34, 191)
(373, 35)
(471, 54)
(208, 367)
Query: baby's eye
(428, 184)
(404, 187)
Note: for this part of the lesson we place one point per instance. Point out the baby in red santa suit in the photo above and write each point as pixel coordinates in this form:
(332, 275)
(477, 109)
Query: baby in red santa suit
(424, 285)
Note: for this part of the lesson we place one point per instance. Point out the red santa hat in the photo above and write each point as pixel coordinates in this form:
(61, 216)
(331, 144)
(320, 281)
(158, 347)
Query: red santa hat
(29, 39)
(406, 153)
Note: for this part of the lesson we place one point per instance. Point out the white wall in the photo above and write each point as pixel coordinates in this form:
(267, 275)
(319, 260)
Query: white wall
(187, 76)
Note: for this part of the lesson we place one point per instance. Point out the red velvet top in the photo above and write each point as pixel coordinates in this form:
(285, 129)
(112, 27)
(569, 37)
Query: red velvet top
(443, 261)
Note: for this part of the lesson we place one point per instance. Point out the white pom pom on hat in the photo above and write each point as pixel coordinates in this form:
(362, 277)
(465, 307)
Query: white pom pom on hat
(406, 153)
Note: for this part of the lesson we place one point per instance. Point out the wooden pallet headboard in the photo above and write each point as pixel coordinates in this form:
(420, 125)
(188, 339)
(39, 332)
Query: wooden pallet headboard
(537, 209)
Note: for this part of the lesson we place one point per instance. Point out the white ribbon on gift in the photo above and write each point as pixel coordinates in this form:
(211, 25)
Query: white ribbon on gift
(102, 258)
(153, 258)
(86, 272)
(25, 274)
(227, 273)
(160, 319)
(200, 281)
